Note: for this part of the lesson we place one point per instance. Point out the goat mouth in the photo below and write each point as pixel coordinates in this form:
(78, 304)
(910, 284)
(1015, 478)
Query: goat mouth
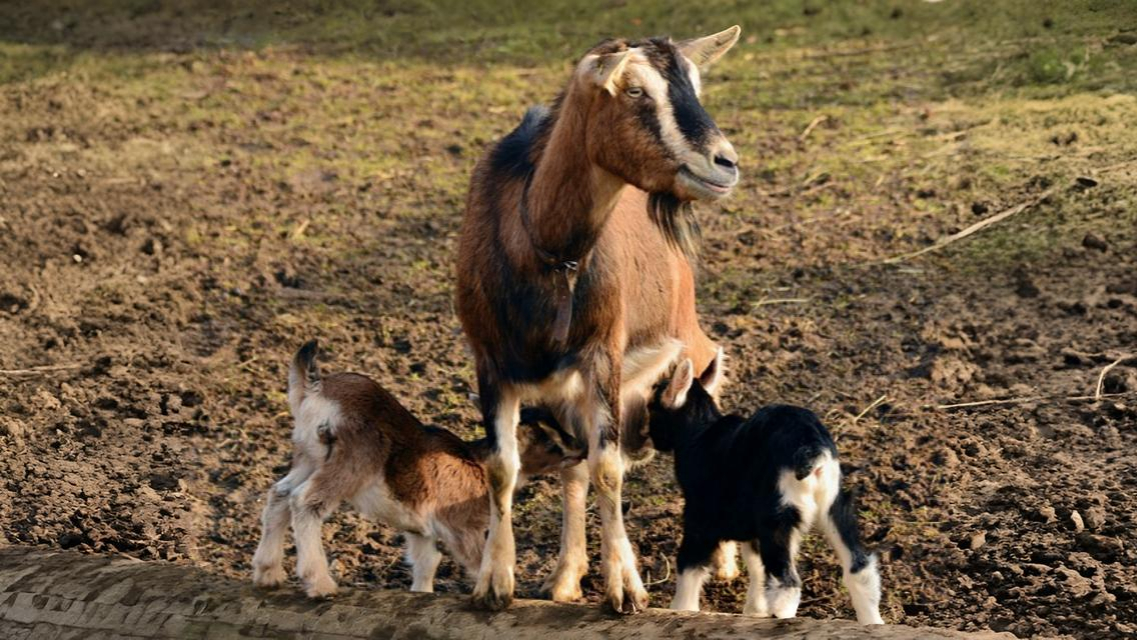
(713, 188)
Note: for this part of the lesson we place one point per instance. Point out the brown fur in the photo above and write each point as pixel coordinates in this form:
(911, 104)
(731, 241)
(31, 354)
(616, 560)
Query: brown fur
(590, 165)
(373, 441)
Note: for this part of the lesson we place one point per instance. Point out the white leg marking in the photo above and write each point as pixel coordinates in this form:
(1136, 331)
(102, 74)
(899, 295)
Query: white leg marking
(624, 589)
(564, 583)
(864, 585)
(782, 599)
(311, 564)
(494, 589)
(422, 553)
(756, 591)
(688, 588)
(268, 561)
(864, 590)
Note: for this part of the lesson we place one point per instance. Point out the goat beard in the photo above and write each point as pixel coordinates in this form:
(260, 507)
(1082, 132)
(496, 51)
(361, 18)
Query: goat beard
(676, 219)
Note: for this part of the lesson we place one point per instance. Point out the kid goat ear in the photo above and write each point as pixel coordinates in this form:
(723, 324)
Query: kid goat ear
(712, 376)
(675, 395)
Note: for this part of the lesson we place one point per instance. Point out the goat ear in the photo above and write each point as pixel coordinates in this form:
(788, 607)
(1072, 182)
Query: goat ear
(569, 446)
(675, 395)
(712, 376)
(704, 51)
(607, 69)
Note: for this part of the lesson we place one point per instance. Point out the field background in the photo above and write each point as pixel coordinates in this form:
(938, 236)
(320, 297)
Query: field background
(189, 190)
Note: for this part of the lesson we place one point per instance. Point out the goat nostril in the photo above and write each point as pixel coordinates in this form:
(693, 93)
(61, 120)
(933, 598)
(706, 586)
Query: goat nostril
(724, 161)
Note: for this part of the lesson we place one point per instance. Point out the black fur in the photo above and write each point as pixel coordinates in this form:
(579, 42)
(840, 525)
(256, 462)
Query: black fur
(306, 361)
(728, 468)
(676, 219)
(844, 516)
(694, 122)
(513, 154)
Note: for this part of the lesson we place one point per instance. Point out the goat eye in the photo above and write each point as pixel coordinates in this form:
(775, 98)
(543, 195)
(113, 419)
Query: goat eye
(634, 92)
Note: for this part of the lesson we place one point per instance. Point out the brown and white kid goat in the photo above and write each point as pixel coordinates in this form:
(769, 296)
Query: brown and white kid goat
(354, 442)
(764, 481)
(575, 284)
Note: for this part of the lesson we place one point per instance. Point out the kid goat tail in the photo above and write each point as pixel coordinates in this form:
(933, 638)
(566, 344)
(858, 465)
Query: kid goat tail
(807, 459)
(303, 375)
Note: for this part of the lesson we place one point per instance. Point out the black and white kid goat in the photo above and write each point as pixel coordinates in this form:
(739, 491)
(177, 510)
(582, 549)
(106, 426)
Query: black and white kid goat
(764, 482)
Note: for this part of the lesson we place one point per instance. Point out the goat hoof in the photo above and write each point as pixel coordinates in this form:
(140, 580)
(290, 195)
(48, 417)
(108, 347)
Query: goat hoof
(492, 601)
(495, 591)
(565, 594)
(269, 577)
(322, 587)
(628, 602)
(563, 586)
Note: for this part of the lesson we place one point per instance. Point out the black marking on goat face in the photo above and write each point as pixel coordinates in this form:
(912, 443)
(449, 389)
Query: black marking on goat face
(693, 120)
(648, 117)
(327, 438)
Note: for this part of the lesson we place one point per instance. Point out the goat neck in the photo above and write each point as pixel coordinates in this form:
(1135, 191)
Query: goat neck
(569, 197)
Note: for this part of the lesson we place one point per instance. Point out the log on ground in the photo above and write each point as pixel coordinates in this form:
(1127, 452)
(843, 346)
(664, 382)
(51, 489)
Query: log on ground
(46, 594)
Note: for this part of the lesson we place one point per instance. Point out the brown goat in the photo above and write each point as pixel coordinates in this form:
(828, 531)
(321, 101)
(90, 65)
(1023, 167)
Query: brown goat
(575, 285)
(354, 442)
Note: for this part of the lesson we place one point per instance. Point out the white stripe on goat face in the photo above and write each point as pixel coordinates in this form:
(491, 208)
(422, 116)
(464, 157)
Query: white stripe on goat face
(642, 73)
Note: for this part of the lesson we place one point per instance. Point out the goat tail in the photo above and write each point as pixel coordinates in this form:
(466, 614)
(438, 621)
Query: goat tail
(808, 459)
(303, 375)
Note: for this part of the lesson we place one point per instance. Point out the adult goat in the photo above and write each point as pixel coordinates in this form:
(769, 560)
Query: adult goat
(575, 285)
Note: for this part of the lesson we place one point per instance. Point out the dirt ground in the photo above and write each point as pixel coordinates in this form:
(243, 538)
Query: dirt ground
(178, 215)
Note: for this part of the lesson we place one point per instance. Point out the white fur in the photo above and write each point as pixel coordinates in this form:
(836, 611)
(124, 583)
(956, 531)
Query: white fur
(268, 561)
(675, 395)
(618, 561)
(495, 577)
(863, 586)
(782, 599)
(728, 555)
(640, 370)
(642, 73)
(376, 502)
(756, 592)
(307, 529)
(423, 554)
(644, 367)
(688, 588)
(713, 385)
(864, 590)
(563, 585)
(314, 411)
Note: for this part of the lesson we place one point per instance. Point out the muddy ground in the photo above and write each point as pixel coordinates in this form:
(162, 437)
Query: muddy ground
(179, 212)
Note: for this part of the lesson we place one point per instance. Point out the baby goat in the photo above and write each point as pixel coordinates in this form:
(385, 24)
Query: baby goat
(764, 482)
(353, 441)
